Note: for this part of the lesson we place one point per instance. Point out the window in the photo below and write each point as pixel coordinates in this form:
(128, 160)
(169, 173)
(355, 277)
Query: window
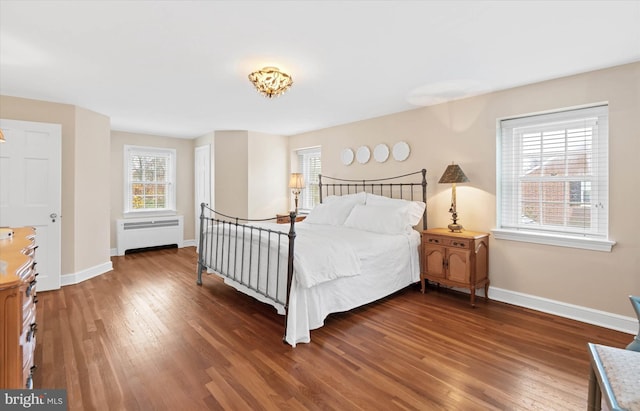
(149, 180)
(553, 178)
(310, 165)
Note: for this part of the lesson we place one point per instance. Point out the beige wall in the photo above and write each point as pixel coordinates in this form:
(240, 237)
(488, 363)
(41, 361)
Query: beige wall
(251, 171)
(84, 137)
(231, 173)
(184, 176)
(464, 131)
(268, 175)
(91, 234)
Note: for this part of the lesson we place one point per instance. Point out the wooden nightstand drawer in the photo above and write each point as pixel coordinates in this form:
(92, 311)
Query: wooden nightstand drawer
(426, 239)
(459, 243)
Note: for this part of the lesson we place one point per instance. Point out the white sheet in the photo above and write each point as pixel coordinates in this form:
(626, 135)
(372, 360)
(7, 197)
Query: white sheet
(387, 263)
(312, 246)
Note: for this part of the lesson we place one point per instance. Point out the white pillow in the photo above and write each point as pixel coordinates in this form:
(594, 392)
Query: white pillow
(379, 219)
(331, 213)
(358, 198)
(414, 209)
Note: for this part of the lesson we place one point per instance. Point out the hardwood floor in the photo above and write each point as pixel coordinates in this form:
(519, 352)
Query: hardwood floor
(146, 337)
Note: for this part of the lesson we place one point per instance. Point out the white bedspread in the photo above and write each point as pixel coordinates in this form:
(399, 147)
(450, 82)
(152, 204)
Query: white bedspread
(336, 269)
(313, 244)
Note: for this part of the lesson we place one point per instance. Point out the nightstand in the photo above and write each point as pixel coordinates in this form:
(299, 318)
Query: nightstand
(456, 260)
(286, 219)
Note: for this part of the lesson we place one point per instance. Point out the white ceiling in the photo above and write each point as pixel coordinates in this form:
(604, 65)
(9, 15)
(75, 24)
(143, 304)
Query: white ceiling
(179, 68)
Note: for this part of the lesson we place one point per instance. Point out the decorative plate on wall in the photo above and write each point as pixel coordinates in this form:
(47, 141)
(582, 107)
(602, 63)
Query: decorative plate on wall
(401, 151)
(346, 156)
(381, 153)
(363, 154)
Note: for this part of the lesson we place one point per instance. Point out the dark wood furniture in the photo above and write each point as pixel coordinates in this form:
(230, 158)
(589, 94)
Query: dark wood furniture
(286, 218)
(18, 310)
(456, 259)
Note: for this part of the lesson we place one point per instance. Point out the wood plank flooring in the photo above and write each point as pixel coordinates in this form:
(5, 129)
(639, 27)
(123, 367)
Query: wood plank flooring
(146, 337)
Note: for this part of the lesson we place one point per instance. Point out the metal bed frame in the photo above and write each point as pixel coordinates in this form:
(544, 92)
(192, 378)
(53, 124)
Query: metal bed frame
(377, 186)
(231, 234)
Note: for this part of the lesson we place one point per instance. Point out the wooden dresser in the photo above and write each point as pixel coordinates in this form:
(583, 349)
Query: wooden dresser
(18, 309)
(456, 259)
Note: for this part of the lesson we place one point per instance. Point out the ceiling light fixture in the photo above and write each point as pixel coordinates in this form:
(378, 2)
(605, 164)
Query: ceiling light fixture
(270, 81)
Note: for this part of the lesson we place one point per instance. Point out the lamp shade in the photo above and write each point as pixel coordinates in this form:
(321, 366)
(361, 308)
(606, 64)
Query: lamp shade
(453, 174)
(296, 181)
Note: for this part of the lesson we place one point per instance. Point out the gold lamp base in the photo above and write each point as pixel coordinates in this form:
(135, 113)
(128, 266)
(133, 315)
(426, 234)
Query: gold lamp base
(456, 228)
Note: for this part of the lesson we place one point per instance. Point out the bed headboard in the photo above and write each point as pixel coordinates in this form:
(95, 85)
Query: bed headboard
(406, 187)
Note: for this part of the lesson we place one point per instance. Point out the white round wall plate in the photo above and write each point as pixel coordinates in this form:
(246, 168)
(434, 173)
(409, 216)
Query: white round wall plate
(381, 153)
(346, 156)
(401, 151)
(363, 154)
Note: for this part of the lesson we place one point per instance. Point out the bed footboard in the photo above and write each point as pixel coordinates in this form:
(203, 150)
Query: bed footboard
(257, 259)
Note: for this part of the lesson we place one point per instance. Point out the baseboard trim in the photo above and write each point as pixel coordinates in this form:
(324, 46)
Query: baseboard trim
(75, 278)
(575, 312)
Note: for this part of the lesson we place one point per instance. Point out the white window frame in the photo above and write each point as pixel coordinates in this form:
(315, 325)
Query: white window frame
(305, 199)
(509, 200)
(170, 189)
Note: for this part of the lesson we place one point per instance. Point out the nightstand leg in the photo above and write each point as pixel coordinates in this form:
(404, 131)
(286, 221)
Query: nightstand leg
(422, 285)
(486, 291)
(473, 297)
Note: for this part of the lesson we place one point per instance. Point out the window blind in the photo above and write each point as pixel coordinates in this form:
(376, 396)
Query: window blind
(553, 173)
(310, 165)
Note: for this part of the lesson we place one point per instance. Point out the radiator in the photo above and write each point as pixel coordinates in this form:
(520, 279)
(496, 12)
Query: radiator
(135, 233)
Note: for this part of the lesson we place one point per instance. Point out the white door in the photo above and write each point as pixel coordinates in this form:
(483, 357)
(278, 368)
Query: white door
(202, 182)
(30, 190)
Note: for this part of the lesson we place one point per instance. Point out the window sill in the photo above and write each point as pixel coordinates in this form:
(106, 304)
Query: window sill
(555, 240)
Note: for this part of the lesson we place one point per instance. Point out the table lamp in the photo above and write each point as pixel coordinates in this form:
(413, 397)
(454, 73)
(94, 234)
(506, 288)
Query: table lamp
(296, 184)
(453, 175)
